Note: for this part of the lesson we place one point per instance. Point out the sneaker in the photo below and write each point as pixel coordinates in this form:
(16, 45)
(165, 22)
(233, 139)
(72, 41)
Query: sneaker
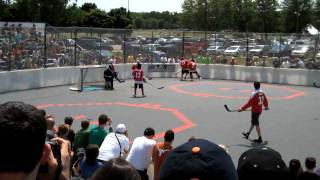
(121, 81)
(134, 96)
(258, 140)
(143, 95)
(246, 135)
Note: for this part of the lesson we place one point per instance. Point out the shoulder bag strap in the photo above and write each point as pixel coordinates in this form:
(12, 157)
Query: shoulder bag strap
(119, 143)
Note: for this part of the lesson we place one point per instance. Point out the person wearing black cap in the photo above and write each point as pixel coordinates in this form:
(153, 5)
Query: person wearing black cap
(198, 159)
(141, 152)
(262, 163)
(257, 100)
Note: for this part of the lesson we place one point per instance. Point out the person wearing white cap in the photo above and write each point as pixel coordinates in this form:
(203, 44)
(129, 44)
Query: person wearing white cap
(115, 144)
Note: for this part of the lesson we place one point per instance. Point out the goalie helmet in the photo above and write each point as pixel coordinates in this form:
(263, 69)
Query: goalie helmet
(110, 61)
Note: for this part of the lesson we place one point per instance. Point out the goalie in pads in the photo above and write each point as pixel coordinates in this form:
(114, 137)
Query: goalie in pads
(109, 74)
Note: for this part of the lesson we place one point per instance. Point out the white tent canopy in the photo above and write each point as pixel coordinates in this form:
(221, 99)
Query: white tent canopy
(312, 30)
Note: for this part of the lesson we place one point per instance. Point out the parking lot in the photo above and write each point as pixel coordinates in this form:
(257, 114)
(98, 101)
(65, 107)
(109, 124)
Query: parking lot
(62, 47)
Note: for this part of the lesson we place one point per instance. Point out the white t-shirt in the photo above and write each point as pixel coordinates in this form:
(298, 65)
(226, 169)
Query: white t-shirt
(141, 152)
(110, 147)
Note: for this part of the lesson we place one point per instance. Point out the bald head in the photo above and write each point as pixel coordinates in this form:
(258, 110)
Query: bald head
(50, 123)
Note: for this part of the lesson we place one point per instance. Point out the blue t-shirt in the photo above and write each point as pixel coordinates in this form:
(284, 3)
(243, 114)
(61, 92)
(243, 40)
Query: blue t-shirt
(88, 170)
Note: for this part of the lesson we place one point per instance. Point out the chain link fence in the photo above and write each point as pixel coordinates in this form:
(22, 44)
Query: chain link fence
(28, 48)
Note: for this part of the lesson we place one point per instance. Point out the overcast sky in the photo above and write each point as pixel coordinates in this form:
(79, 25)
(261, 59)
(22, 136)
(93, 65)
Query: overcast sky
(137, 5)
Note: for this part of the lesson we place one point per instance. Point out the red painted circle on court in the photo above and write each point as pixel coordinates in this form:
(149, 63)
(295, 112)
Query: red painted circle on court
(187, 123)
(224, 87)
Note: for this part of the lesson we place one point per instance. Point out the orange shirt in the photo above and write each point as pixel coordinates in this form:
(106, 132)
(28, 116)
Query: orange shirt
(159, 154)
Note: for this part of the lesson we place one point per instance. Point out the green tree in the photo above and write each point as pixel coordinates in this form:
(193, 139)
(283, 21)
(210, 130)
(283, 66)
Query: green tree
(87, 7)
(98, 18)
(267, 15)
(74, 16)
(188, 14)
(138, 23)
(316, 15)
(222, 15)
(152, 23)
(120, 18)
(52, 12)
(5, 14)
(297, 14)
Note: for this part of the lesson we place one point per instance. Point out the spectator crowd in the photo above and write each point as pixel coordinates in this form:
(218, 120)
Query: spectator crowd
(35, 147)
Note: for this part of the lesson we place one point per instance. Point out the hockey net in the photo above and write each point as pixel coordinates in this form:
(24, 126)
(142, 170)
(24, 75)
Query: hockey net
(88, 75)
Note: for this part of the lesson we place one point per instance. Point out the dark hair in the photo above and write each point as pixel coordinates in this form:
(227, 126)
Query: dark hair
(310, 162)
(68, 120)
(103, 119)
(149, 132)
(43, 112)
(169, 136)
(256, 85)
(295, 169)
(23, 132)
(85, 124)
(138, 66)
(63, 130)
(92, 152)
(118, 169)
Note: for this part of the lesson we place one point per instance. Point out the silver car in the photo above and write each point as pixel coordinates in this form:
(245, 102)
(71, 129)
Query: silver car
(215, 50)
(235, 51)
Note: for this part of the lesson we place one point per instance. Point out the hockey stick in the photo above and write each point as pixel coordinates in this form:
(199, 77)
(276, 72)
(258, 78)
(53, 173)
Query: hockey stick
(233, 110)
(154, 85)
(236, 110)
(115, 75)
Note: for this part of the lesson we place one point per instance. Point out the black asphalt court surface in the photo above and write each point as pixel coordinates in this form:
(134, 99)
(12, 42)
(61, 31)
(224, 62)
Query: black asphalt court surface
(291, 126)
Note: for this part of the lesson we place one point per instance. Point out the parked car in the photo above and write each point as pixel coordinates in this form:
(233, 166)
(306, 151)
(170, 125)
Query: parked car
(215, 43)
(171, 50)
(51, 62)
(259, 50)
(215, 50)
(235, 50)
(156, 55)
(151, 47)
(280, 50)
(301, 50)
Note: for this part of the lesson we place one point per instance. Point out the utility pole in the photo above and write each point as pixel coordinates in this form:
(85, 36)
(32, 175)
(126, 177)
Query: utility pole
(297, 21)
(205, 33)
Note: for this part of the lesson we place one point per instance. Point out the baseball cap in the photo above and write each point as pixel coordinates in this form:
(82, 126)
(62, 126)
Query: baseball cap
(121, 128)
(262, 163)
(198, 158)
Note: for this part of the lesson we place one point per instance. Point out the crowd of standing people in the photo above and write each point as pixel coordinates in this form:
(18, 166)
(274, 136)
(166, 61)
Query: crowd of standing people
(46, 151)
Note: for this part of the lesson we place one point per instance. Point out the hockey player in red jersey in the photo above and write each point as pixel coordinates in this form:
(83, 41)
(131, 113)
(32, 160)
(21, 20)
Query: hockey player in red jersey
(184, 68)
(257, 100)
(139, 78)
(193, 69)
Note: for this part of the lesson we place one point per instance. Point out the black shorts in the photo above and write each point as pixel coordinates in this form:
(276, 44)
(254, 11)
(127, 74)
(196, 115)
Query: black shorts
(255, 118)
(138, 85)
(185, 71)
